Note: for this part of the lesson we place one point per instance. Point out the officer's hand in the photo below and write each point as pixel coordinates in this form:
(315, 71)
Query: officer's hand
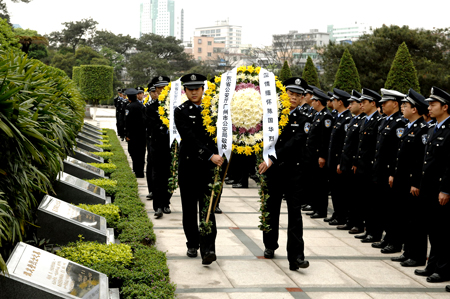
(354, 169)
(391, 181)
(338, 170)
(127, 139)
(414, 191)
(263, 166)
(443, 198)
(216, 159)
(321, 162)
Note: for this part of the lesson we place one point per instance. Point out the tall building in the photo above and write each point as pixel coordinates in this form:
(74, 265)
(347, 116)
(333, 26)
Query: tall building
(348, 33)
(222, 32)
(162, 17)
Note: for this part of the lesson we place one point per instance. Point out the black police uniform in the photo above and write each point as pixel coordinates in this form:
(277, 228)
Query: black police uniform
(317, 146)
(151, 115)
(285, 179)
(195, 173)
(364, 171)
(407, 173)
(120, 116)
(135, 131)
(337, 181)
(436, 179)
(390, 130)
(348, 160)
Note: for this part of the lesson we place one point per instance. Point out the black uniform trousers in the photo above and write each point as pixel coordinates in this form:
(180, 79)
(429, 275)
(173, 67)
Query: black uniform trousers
(149, 167)
(365, 201)
(438, 232)
(405, 226)
(136, 149)
(319, 187)
(352, 201)
(339, 195)
(241, 167)
(161, 174)
(381, 210)
(277, 191)
(193, 189)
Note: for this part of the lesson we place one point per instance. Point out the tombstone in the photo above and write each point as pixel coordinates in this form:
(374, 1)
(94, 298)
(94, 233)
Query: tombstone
(76, 191)
(88, 139)
(81, 169)
(85, 156)
(62, 222)
(36, 273)
(92, 126)
(91, 134)
(87, 146)
(92, 131)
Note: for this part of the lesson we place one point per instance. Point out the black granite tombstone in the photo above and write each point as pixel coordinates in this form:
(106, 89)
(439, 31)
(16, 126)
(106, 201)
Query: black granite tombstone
(74, 190)
(91, 134)
(81, 169)
(87, 146)
(88, 139)
(88, 125)
(85, 156)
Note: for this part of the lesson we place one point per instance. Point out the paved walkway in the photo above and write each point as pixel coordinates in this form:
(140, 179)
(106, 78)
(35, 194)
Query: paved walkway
(340, 265)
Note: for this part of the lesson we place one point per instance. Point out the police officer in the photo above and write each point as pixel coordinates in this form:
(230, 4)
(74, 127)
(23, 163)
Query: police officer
(317, 149)
(346, 164)
(121, 103)
(390, 130)
(161, 154)
(285, 180)
(117, 99)
(363, 167)
(435, 188)
(197, 159)
(135, 132)
(337, 180)
(149, 108)
(405, 183)
(140, 95)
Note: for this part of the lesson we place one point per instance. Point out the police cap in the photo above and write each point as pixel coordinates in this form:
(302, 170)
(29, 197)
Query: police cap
(160, 81)
(438, 94)
(356, 96)
(370, 95)
(391, 95)
(319, 95)
(416, 100)
(193, 81)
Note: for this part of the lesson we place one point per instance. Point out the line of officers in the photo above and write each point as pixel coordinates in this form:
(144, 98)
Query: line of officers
(385, 159)
(138, 123)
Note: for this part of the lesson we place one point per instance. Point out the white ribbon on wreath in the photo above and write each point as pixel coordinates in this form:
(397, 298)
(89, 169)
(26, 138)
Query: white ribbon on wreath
(175, 101)
(269, 99)
(224, 123)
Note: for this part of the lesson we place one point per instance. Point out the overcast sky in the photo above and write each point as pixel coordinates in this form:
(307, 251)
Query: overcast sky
(259, 19)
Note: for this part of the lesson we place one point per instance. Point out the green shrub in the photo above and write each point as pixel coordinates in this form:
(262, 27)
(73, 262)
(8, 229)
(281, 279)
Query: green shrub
(108, 168)
(285, 72)
(104, 146)
(8, 39)
(402, 75)
(76, 75)
(104, 155)
(310, 73)
(90, 253)
(111, 212)
(109, 185)
(347, 77)
(96, 82)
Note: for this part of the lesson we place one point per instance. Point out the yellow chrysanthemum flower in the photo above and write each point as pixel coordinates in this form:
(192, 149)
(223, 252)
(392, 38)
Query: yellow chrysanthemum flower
(205, 112)
(242, 68)
(217, 79)
(257, 148)
(211, 130)
(165, 121)
(248, 150)
(258, 69)
(161, 97)
(161, 110)
(251, 69)
(240, 149)
(285, 111)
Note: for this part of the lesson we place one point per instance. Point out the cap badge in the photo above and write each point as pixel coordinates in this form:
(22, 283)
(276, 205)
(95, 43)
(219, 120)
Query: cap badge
(193, 77)
(160, 78)
(297, 81)
(432, 90)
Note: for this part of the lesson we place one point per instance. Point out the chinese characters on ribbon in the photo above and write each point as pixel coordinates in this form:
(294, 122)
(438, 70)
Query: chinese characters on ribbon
(224, 122)
(175, 101)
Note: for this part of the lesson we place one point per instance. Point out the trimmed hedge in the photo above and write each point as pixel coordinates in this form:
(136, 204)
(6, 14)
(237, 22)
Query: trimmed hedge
(148, 275)
(347, 76)
(76, 75)
(285, 72)
(96, 82)
(310, 73)
(402, 75)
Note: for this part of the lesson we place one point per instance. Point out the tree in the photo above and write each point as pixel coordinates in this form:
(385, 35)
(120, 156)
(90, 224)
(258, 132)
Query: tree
(83, 56)
(8, 39)
(374, 53)
(96, 82)
(285, 72)
(75, 33)
(310, 73)
(118, 43)
(32, 43)
(347, 77)
(403, 74)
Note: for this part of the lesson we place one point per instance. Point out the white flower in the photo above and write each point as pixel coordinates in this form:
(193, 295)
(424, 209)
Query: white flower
(246, 108)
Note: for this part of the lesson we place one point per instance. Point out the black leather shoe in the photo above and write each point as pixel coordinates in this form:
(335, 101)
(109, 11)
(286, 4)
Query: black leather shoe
(411, 263)
(310, 213)
(209, 257)
(269, 253)
(435, 277)
(401, 258)
(159, 213)
(369, 239)
(308, 208)
(218, 210)
(166, 210)
(329, 219)
(424, 272)
(344, 227)
(191, 252)
(391, 249)
(304, 206)
(150, 196)
(229, 182)
(357, 230)
(298, 264)
(238, 185)
(381, 244)
(317, 215)
(335, 222)
(447, 288)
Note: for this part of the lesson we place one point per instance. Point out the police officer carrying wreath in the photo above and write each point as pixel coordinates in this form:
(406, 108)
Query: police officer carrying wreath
(197, 159)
